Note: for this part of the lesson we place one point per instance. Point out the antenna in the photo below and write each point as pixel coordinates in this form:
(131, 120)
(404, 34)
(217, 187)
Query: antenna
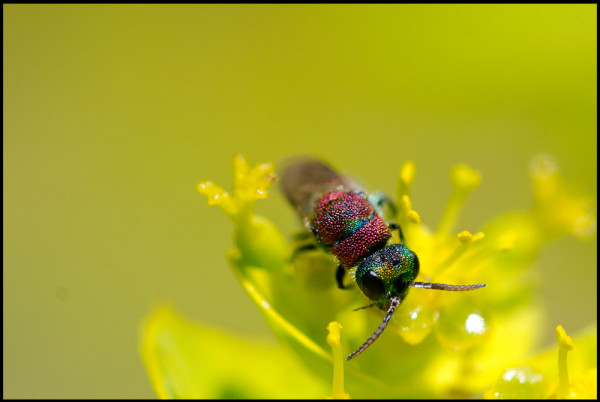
(378, 331)
(443, 286)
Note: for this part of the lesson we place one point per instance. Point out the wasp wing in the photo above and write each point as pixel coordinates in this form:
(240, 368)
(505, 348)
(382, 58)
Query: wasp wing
(304, 181)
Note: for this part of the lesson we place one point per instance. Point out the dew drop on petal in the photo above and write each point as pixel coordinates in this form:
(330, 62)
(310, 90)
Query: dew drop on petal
(519, 383)
(475, 324)
(414, 320)
(459, 326)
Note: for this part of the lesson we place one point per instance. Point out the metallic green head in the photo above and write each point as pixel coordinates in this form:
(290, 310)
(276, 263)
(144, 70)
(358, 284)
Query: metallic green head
(387, 273)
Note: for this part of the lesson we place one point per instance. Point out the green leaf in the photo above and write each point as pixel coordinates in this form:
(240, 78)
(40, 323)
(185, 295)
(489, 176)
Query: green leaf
(187, 360)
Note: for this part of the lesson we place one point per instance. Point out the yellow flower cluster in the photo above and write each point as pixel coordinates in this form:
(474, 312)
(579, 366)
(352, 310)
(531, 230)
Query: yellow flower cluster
(440, 344)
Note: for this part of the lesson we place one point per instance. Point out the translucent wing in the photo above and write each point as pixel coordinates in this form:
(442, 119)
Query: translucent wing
(304, 181)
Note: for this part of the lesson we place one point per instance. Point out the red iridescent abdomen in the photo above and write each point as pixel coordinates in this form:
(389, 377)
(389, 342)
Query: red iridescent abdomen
(347, 225)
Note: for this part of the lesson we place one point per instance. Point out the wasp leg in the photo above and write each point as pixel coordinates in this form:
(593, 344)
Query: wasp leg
(379, 199)
(339, 278)
(395, 226)
(302, 248)
(363, 307)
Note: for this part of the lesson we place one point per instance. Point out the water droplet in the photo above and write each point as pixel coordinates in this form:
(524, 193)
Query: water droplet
(459, 326)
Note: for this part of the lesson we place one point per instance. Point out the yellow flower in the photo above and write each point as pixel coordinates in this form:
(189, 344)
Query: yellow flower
(547, 375)
(438, 344)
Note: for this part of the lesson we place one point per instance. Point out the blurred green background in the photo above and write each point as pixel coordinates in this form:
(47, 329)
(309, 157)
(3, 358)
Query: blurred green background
(113, 113)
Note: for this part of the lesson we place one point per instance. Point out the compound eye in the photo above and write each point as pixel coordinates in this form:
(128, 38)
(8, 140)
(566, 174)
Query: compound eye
(372, 286)
(416, 266)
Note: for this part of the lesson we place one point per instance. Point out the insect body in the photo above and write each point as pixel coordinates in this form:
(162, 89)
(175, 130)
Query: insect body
(346, 222)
